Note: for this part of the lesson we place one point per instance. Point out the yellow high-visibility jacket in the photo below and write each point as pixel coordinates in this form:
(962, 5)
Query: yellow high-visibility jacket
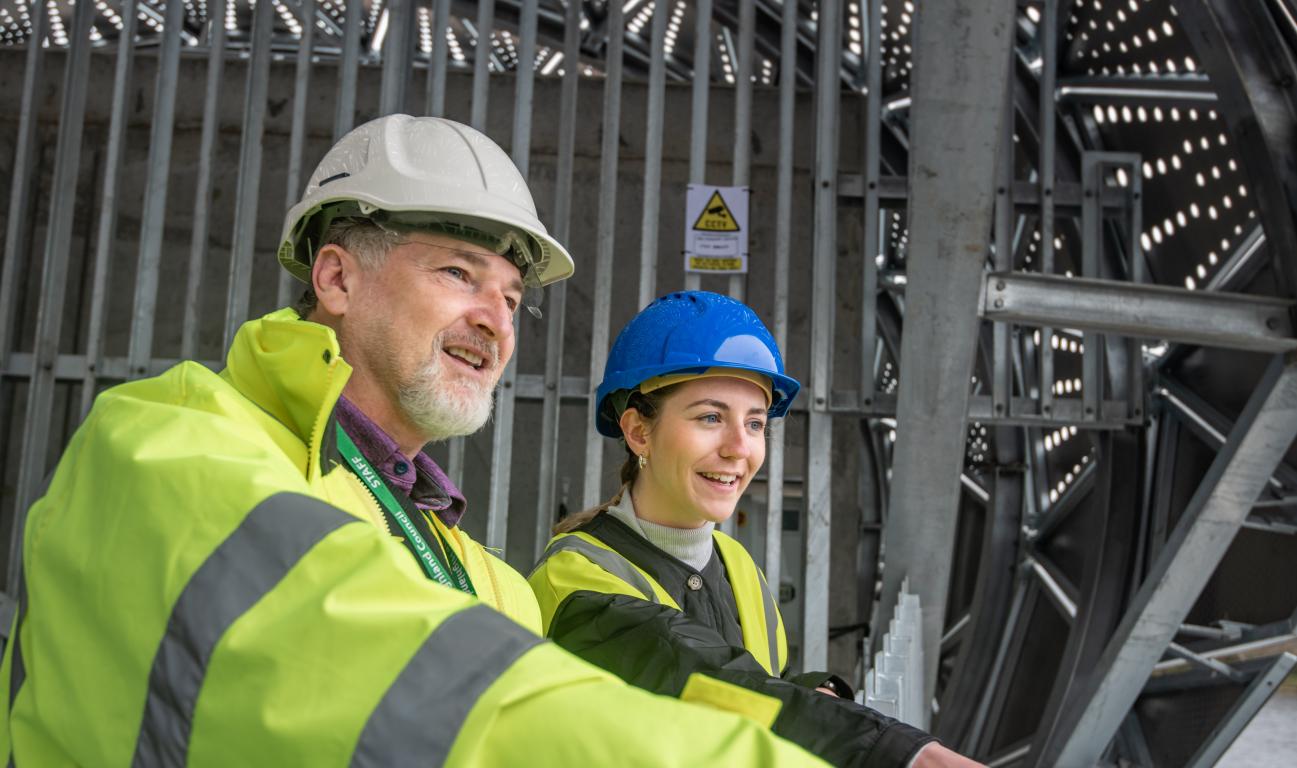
(594, 559)
(611, 597)
(202, 586)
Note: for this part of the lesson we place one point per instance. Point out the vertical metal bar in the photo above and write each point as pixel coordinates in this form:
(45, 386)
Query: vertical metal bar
(557, 305)
(524, 87)
(297, 136)
(455, 446)
(819, 443)
(436, 96)
(1232, 724)
(243, 243)
(648, 265)
(481, 63)
(873, 125)
(54, 277)
(203, 193)
(743, 134)
(397, 56)
(980, 715)
(455, 460)
(1001, 360)
(742, 152)
(107, 230)
(497, 511)
(951, 203)
(153, 221)
(345, 117)
(1138, 274)
(1048, 150)
(607, 234)
(1092, 184)
(783, 246)
(15, 253)
(701, 90)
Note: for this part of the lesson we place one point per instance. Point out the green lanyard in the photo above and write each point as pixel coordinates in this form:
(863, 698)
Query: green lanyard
(383, 495)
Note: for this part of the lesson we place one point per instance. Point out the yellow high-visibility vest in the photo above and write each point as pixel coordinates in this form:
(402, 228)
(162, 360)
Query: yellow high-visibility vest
(200, 590)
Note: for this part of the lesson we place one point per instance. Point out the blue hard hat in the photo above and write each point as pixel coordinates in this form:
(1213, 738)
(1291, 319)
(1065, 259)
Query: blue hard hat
(690, 332)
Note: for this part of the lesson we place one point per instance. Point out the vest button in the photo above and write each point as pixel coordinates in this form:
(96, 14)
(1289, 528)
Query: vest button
(694, 582)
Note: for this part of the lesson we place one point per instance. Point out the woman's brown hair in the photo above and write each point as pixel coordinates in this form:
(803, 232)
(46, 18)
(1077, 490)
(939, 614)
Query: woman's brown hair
(648, 406)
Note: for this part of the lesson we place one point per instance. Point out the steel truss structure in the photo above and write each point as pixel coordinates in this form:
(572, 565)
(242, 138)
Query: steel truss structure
(1085, 210)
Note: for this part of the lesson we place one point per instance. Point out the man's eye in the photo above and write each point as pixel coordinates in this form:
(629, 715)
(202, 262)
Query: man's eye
(457, 273)
(512, 303)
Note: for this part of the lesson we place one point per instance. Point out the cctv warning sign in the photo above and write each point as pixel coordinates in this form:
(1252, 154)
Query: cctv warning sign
(717, 240)
(716, 216)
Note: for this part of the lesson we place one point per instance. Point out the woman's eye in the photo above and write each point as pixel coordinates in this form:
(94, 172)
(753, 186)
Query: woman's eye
(756, 425)
(710, 418)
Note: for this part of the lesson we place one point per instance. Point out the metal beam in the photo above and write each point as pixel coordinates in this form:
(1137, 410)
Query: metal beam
(288, 285)
(1068, 195)
(398, 56)
(50, 311)
(783, 249)
(959, 79)
(547, 499)
(1262, 434)
(1238, 321)
(247, 193)
(114, 153)
(1213, 665)
(1181, 90)
(648, 267)
(819, 428)
(481, 63)
(605, 244)
(1230, 726)
(17, 258)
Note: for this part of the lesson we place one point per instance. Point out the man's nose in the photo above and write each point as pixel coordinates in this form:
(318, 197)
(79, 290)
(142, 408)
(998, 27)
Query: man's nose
(491, 314)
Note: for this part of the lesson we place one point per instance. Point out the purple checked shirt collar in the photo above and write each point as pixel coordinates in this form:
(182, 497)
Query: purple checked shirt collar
(425, 483)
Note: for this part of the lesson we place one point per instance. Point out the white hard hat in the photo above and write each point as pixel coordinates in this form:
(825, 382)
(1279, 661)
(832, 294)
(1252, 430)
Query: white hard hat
(424, 172)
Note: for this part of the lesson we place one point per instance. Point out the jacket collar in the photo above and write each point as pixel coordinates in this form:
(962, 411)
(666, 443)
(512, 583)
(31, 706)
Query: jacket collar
(293, 370)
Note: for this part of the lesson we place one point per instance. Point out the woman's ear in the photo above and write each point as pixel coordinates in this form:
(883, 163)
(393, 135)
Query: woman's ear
(635, 429)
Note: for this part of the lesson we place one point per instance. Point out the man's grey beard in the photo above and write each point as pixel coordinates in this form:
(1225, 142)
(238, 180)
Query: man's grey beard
(442, 410)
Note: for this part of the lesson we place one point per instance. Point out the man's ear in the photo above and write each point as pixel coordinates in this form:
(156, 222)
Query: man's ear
(333, 276)
(636, 431)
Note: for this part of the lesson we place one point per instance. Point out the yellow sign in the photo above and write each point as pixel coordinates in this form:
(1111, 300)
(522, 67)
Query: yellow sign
(706, 264)
(716, 216)
(717, 242)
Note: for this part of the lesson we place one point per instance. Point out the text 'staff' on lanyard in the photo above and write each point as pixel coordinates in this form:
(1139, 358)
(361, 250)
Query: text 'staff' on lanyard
(458, 576)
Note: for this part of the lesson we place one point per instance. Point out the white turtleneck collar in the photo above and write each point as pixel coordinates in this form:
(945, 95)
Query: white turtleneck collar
(691, 546)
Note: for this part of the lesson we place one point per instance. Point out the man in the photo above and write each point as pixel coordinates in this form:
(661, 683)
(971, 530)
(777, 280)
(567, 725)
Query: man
(262, 567)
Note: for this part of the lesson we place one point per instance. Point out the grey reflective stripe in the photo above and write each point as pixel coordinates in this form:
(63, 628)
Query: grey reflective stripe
(606, 559)
(772, 624)
(423, 711)
(274, 536)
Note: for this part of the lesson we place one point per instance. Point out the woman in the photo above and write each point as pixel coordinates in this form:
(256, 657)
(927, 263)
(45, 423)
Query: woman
(644, 585)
